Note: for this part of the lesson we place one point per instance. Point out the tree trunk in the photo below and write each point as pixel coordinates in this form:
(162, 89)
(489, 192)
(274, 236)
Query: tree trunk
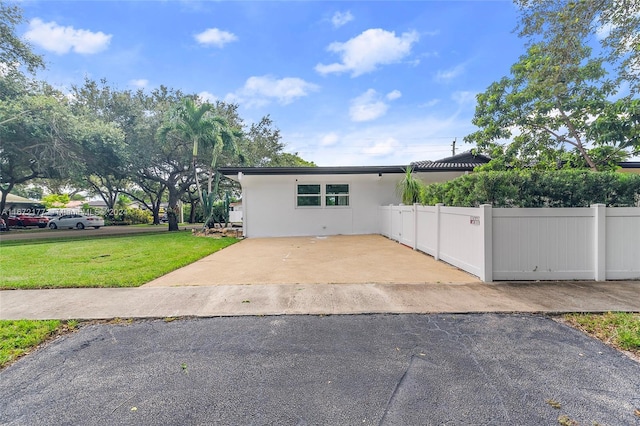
(3, 197)
(192, 212)
(172, 209)
(156, 214)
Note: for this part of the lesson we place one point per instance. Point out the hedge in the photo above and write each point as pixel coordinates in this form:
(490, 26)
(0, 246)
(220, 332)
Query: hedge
(529, 188)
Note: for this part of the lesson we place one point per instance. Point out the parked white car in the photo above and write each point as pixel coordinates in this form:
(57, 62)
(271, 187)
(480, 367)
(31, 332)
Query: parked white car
(78, 221)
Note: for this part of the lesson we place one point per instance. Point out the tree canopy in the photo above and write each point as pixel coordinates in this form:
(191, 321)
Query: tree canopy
(153, 146)
(15, 52)
(561, 106)
(565, 24)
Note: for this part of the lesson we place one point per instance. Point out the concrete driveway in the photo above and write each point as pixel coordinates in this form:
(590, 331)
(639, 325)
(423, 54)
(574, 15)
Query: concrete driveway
(342, 259)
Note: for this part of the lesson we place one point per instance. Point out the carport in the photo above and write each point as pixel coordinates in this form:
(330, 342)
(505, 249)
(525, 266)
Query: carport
(340, 259)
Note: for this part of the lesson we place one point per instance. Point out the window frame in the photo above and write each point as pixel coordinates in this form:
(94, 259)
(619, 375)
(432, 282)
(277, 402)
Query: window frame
(308, 195)
(323, 195)
(337, 195)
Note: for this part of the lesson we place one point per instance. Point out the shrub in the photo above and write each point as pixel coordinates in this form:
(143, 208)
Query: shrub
(130, 217)
(531, 188)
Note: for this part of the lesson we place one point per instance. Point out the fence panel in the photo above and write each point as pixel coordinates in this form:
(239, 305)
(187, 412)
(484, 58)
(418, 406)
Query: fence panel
(623, 243)
(523, 244)
(543, 244)
(427, 232)
(408, 230)
(461, 238)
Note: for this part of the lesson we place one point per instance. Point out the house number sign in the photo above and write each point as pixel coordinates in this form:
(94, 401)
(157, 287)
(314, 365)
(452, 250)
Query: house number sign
(474, 220)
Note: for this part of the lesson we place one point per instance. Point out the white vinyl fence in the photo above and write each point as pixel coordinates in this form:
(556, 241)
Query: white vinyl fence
(595, 242)
(235, 216)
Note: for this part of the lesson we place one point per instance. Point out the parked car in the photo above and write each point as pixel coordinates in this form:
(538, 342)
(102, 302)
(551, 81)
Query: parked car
(78, 221)
(27, 220)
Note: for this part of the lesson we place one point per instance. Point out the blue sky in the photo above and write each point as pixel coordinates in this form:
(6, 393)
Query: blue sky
(347, 82)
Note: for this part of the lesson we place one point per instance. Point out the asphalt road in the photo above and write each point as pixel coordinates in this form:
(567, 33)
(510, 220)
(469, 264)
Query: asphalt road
(324, 370)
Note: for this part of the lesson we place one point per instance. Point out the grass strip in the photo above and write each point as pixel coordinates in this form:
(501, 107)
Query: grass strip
(101, 262)
(618, 329)
(19, 337)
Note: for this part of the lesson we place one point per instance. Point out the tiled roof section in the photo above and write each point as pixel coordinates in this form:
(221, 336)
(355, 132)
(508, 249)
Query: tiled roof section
(460, 161)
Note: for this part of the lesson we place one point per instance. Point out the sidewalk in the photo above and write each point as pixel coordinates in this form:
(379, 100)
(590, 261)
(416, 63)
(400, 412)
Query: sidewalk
(316, 299)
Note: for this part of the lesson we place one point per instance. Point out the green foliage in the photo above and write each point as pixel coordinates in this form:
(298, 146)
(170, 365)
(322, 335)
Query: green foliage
(208, 200)
(286, 159)
(55, 200)
(130, 216)
(138, 216)
(547, 105)
(410, 188)
(12, 49)
(531, 188)
(563, 24)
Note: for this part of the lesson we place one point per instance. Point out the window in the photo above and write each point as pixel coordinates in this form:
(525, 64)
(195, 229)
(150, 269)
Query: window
(337, 194)
(317, 195)
(309, 196)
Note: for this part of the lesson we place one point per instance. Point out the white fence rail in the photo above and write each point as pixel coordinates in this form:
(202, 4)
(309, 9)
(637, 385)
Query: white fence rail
(523, 244)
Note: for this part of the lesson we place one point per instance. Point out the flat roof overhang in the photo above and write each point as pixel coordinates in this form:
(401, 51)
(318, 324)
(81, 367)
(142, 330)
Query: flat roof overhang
(340, 170)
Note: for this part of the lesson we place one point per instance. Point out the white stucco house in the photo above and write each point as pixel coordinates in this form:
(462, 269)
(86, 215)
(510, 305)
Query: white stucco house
(316, 201)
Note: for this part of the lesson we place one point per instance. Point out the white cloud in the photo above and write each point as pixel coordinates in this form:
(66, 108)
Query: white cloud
(603, 31)
(259, 91)
(448, 75)
(365, 52)
(382, 148)
(367, 107)
(464, 98)
(207, 97)
(58, 39)
(140, 83)
(423, 135)
(341, 18)
(393, 95)
(329, 139)
(429, 104)
(215, 37)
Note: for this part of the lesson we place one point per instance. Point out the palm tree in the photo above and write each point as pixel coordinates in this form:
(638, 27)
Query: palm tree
(196, 123)
(409, 187)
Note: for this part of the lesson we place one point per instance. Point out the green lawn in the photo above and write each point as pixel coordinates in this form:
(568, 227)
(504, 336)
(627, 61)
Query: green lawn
(102, 262)
(21, 336)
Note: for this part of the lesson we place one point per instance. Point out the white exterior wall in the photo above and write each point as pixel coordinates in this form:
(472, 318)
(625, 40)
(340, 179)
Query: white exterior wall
(269, 204)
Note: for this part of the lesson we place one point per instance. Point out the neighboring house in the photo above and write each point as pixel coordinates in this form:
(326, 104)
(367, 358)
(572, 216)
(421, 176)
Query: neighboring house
(630, 167)
(306, 201)
(17, 205)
